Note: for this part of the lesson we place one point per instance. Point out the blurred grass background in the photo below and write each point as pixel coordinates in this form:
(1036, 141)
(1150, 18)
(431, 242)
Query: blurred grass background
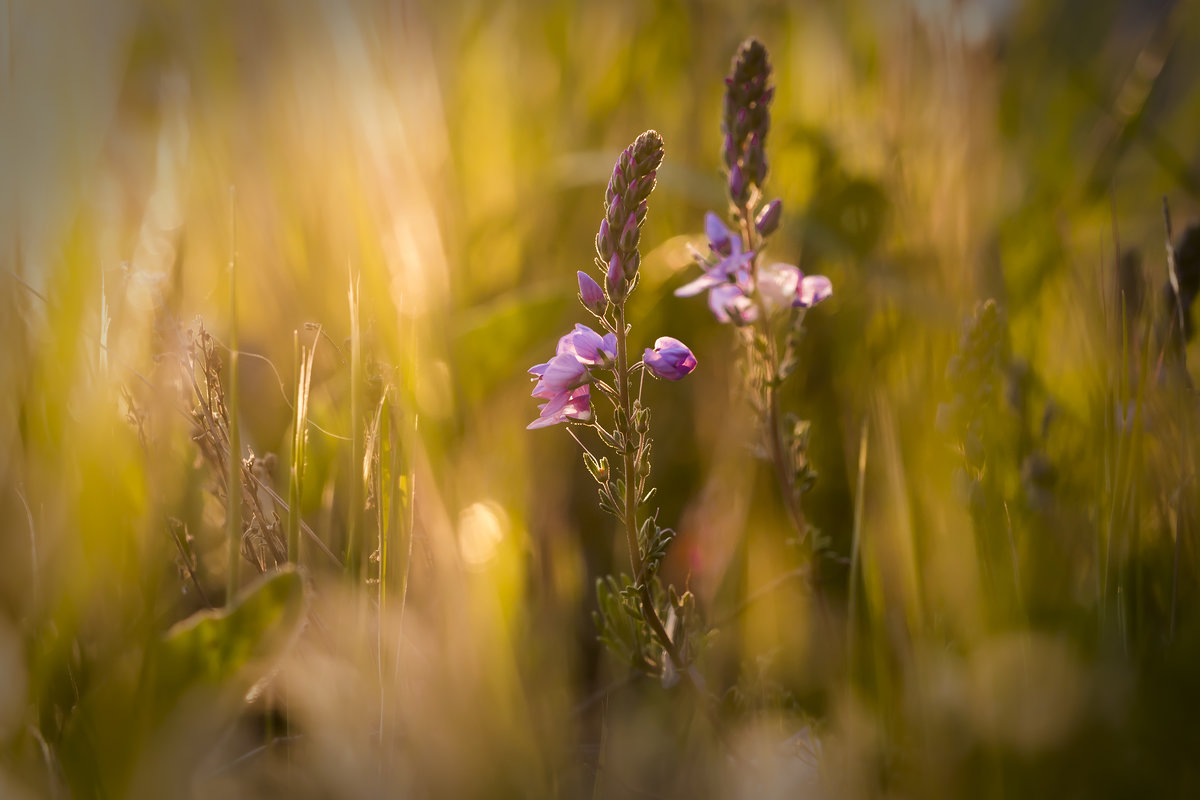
(452, 157)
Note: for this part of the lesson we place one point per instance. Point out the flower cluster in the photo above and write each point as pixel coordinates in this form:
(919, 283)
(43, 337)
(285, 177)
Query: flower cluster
(588, 365)
(565, 381)
(747, 119)
(625, 202)
(763, 300)
(733, 283)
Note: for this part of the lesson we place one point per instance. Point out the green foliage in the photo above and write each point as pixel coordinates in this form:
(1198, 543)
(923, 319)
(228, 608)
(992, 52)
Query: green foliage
(189, 683)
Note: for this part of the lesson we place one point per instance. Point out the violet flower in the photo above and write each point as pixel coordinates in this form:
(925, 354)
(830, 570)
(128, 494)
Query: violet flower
(560, 374)
(730, 304)
(588, 347)
(778, 285)
(670, 359)
(732, 260)
(575, 404)
(812, 290)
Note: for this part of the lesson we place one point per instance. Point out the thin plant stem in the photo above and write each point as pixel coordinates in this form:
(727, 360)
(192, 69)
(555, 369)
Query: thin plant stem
(856, 536)
(649, 613)
(1186, 439)
(630, 515)
(779, 459)
(233, 487)
(293, 540)
(354, 561)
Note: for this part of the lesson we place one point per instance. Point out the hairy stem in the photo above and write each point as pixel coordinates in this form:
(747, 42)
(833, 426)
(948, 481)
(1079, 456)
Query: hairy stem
(627, 460)
(783, 472)
(649, 613)
(783, 469)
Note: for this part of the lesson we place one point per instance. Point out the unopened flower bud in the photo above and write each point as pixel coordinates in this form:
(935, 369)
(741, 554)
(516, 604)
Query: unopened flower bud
(737, 184)
(590, 294)
(755, 159)
(729, 151)
(670, 359)
(768, 218)
(614, 279)
(631, 263)
(604, 247)
(760, 173)
(646, 185)
(629, 234)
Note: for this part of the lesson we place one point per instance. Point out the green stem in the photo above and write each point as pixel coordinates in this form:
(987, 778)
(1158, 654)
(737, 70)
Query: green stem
(782, 465)
(630, 515)
(783, 471)
(649, 613)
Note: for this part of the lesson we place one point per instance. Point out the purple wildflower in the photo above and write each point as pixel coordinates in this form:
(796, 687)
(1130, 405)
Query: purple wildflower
(670, 359)
(778, 285)
(614, 279)
(730, 304)
(625, 204)
(590, 294)
(724, 244)
(746, 119)
(812, 290)
(588, 347)
(575, 404)
(560, 374)
(719, 237)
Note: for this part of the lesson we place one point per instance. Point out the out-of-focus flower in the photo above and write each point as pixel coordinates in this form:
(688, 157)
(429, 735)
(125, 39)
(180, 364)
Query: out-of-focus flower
(670, 359)
(719, 237)
(812, 290)
(731, 261)
(730, 304)
(575, 404)
(747, 119)
(590, 294)
(778, 285)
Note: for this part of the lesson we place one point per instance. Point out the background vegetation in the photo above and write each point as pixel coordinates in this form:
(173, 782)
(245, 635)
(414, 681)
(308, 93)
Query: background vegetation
(1015, 614)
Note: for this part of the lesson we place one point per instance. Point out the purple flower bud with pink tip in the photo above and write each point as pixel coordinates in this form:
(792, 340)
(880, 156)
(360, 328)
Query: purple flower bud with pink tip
(614, 279)
(572, 405)
(590, 294)
(629, 233)
(604, 245)
(631, 264)
(670, 359)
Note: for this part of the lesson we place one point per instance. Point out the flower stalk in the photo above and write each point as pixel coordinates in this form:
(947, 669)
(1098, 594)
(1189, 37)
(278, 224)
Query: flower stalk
(570, 382)
(765, 302)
